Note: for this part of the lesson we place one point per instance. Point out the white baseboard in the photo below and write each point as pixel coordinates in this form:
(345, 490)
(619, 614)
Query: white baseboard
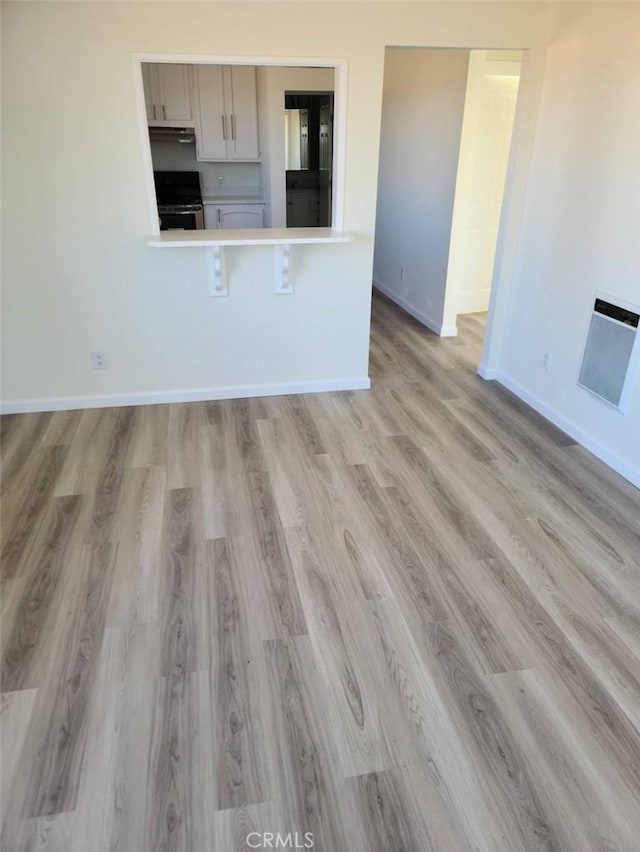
(68, 403)
(448, 331)
(437, 328)
(623, 468)
(474, 303)
(486, 373)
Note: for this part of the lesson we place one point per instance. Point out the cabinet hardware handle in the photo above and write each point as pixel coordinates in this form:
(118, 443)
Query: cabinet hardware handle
(233, 127)
(224, 127)
(164, 112)
(154, 111)
(219, 216)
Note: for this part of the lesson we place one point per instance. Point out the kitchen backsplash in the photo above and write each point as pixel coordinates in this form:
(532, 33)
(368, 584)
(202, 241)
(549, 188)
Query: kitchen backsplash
(172, 156)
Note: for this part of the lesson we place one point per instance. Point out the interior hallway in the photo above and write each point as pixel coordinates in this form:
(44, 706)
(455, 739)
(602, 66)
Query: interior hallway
(400, 619)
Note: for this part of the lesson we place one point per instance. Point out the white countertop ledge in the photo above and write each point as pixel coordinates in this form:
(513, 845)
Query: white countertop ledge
(249, 237)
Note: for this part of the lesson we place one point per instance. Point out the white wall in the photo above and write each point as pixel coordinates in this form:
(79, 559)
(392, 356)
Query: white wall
(489, 110)
(422, 108)
(80, 276)
(581, 226)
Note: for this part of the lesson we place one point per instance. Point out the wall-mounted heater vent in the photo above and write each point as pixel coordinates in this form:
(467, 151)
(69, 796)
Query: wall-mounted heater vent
(611, 353)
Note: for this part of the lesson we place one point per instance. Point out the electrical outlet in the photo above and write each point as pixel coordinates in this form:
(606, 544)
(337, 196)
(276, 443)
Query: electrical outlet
(99, 359)
(547, 361)
(221, 180)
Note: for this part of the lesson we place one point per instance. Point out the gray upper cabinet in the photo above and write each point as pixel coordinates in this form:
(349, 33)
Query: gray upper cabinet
(227, 113)
(240, 84)
(168, 94)
(212, 123)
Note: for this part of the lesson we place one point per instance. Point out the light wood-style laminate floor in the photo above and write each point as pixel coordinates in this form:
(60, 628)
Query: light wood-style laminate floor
(403, 619)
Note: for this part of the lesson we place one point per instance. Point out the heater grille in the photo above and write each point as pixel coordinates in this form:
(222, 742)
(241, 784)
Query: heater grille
(609, 352)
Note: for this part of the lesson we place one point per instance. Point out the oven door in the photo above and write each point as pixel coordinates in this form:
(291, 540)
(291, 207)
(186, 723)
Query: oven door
(181, 220)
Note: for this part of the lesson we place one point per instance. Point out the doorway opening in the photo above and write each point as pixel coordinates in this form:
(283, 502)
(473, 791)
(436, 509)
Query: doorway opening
(487, 125)
(447, 121)
(308, 129)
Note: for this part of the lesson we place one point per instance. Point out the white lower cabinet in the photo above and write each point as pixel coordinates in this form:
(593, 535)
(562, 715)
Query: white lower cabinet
(227, 216)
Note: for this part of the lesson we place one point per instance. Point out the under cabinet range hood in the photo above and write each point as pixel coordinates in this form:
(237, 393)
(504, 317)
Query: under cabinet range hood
(186, 135)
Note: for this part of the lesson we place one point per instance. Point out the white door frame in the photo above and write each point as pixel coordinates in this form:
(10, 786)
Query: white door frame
(513, 204)
(481, 67)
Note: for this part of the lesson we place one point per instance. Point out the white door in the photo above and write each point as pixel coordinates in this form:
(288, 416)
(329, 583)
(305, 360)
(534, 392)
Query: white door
(492, 91)
(242, 109)
(175, 94)
(210, 216)
(251, 216)
(150, 84)
(211, 122)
